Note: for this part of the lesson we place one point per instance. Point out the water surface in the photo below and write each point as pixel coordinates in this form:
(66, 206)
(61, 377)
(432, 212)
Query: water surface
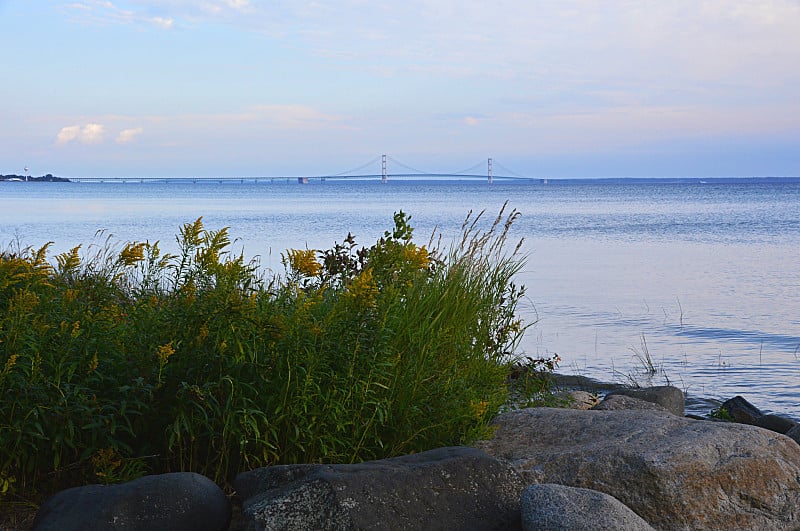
(701, 279)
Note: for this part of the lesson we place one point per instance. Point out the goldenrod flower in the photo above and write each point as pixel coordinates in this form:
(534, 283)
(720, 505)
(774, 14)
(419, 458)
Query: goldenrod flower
(164, 352)
(417, 257)
(302, 262)
(363, 289)
(93, 364)
(105, 462)
(132, 253)
(479, 408)
(10, 362)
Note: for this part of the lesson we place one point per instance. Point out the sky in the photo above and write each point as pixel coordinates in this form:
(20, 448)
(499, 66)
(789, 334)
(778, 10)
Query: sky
(546, 88)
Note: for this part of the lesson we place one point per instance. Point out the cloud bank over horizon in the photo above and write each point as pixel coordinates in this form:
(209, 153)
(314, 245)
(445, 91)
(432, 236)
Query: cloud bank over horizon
(567, 88)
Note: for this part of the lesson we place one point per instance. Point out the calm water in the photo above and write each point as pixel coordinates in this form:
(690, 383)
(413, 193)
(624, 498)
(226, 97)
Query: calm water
(703, 277)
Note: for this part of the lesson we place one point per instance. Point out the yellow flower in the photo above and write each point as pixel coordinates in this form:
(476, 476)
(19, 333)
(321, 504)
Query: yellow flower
(303, 262)
(10, 362)
(479, 408)
(164, 352)
(70, 295)
(417, 257)
(93, 364)
(363, 289)
(105, 462)
(132, 253)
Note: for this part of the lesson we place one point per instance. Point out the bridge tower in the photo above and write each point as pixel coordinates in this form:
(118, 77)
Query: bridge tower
(491, 178)
(384, 176)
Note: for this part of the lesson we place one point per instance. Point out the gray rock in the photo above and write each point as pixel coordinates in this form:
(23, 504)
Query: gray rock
(775, 423)
(447, 488)
(674, 472)
(580, 399)
(741, 410)
(671, 398)
(617, 402)
(794, 434)
(551, 507)
(178, 501)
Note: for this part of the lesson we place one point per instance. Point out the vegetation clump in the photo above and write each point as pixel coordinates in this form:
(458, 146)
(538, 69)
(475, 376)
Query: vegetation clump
(129, 361)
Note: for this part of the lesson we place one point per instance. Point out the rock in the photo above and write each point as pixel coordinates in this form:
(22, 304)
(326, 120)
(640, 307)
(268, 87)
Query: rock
(775, 423)
(617, 402)
(446, 488)
(674, 472)
(794, 434)
(670, 397)
(551, 507)
(581, 399)
(177, 501)
(741, 410)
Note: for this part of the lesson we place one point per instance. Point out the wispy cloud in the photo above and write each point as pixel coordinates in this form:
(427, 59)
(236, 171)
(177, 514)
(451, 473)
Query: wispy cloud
(126, 136)
(101, 12)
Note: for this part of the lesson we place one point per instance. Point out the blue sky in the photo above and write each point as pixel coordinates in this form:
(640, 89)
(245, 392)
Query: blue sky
(561, 88)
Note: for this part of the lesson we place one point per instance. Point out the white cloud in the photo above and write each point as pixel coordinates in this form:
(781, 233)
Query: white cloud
(87, 134)
(127, 136)
(161, 22)
(68, 134)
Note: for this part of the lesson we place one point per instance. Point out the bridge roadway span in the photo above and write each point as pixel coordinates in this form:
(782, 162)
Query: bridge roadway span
(301, 180)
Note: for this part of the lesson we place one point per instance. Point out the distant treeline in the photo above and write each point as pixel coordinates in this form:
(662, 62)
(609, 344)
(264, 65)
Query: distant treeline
(44, 178)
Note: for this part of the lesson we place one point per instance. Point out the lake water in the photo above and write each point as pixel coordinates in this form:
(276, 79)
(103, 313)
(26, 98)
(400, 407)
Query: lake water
(702, 277)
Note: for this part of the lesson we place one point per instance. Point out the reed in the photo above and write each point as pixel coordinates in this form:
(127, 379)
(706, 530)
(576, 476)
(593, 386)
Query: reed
(124, 361)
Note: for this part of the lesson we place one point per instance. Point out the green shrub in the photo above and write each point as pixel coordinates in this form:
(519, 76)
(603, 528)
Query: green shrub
(129, 361)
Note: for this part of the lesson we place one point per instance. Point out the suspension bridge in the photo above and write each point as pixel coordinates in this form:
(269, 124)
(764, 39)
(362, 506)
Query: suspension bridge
(484, 170)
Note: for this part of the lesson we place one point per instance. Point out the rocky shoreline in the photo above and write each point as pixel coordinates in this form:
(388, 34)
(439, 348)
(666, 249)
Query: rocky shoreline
(631, 461)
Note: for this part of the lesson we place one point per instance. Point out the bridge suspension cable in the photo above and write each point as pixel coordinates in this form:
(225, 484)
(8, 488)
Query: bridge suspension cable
(354, 170)
(466, 171)
(409, 167)
(511, 172)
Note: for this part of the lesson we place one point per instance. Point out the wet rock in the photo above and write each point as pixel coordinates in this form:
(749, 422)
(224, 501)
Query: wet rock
(794, 434)
(674, 472)
(447, 488)
(775, 423)
(741, 410)
(177, 501)
(551, 507)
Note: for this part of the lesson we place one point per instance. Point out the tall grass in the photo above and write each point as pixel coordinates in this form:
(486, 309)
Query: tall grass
(127, 361)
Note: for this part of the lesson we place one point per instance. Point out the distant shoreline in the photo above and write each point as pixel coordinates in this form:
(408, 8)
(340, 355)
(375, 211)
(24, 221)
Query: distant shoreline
(43, 179)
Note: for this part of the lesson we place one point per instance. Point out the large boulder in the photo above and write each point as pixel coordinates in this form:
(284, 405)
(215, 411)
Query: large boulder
(177, 501)
(551, 507)
(447, 488)
(674, 472)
